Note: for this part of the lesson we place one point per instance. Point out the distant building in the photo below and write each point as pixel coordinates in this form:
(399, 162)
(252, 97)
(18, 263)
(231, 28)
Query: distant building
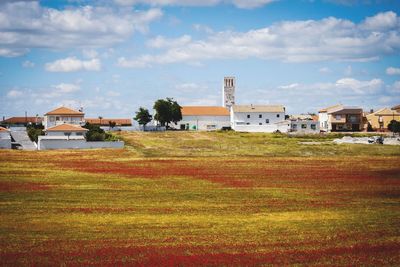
(63, 115)
(5, 138)
(67, 130)
(380, 119)
(340, 118)
(257, 118)
(21, 121)
(304, 124)
(228, 92)
(203, 118)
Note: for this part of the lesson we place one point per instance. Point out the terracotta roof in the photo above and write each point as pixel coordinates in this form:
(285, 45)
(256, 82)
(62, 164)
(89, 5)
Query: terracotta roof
(67, 128)
(64, 111)
(331, 107)
(385, 111)
(23, 120)
(2, 129)
(204, 111)
(396, 107)
(258, 108)
(105, 122)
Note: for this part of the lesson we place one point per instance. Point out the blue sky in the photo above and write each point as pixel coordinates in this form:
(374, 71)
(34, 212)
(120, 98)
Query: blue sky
(110, 57)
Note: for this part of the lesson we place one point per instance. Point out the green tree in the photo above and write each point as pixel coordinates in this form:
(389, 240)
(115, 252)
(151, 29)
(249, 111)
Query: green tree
(95, 133)
(143, 117)
(394, 126)
(167, 110)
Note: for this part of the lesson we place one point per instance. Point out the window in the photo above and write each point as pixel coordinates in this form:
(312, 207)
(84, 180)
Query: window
(266, 120)
(304, 126)
(313, 127)
(260, 116)
(79, 133)
(294, 126)
(277, 115)
(260, 123)
(248, 116)
(338, 117)
(248, 123)
(57, 118)
(51, 118)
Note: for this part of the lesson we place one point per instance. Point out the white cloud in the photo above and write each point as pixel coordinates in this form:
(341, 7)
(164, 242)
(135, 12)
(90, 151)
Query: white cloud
(71, 64)
(289, 86)
(190, 88)
(14, 93)
(90, 53)
(395, 88)
(290, 41)
(58, 90)
(393, 71)
(162, 42)
(26, 25)
(113, 93)
(28, 64)
(65, 88)
(237, 3)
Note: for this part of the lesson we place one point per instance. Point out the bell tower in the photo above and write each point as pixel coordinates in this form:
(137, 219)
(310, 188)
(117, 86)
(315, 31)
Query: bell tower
(228, 92)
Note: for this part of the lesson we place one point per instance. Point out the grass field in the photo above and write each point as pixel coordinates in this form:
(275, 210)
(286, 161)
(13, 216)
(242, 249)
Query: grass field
(192, 199)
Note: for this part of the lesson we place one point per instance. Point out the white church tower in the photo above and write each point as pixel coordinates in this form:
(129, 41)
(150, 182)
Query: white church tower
(228, 92)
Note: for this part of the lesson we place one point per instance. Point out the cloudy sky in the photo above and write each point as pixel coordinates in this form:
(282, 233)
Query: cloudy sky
(112, 56)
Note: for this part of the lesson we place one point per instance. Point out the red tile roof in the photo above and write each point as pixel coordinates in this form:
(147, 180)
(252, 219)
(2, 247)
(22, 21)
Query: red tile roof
(204, 111)
(22, 120)
(67, 128)
(2, 129)
(64, 111)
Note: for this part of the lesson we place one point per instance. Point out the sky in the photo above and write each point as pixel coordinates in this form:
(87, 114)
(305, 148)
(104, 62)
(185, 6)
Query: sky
(113, 56)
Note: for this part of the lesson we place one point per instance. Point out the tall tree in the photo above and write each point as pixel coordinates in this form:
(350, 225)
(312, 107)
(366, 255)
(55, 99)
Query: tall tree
(394, 126)
(167, 110)
(143, 117)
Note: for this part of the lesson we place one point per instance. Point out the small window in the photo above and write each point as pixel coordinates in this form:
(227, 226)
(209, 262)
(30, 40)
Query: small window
(266, 120)
(57, 118)
(313, 127)
(79, 133)
(294, 126)
(338, 117)
(51, 118)
(260, 123)
(304, 126)
(277, 115)
(260, 116)
(248, 116)
(248, 123)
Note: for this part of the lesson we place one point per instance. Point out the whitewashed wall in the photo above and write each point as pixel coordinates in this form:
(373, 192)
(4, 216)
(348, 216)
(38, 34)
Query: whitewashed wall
(5, 140)
(323, 121)
(270, 128)
(45, 144)
(308, 128)
(201, 122)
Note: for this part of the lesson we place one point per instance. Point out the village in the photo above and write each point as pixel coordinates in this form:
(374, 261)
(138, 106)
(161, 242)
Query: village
(64, 127)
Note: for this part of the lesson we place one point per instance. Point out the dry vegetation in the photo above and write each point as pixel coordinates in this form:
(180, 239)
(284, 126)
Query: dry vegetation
(202, 199)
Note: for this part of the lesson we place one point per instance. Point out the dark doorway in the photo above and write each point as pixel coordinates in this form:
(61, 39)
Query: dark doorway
(355, 127)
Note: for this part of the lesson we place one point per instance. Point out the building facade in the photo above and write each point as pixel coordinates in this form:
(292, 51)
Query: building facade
(341, 118)
(203, 118)
(5, 138)
(257, 118)
(380, 119)
(63, 115)
(228, 92)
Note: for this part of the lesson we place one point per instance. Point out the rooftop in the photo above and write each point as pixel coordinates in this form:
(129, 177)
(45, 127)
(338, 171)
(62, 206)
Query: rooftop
(385, 111)
(22, 120)
(204, 111)
(64, 111)
(258, 108)
(105, 121)
(66, 128)
(2, 129)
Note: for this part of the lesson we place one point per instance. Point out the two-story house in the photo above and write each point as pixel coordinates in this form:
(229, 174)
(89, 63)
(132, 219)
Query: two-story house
(380, 119)
(256, 118)
(340, 118)
(63, 115)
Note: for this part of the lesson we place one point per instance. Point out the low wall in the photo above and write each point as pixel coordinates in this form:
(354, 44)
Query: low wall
(5, 143)
(261, 128)
(45, 144)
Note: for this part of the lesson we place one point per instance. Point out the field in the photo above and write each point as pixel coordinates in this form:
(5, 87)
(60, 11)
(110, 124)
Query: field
(215, 199)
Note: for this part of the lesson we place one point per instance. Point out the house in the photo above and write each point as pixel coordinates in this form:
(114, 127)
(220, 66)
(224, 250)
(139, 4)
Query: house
(5, 138)
(304, 124)
(380, 119)
(257, 118)
(63, 115)
(203, 118)
(68, 130)
(340, 118)
(21, 121)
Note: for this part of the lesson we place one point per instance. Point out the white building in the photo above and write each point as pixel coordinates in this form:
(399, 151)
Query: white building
(228, 92)
(203, 118)
(68, 130)
(257, 118)
(63, 115)
(5, 138)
